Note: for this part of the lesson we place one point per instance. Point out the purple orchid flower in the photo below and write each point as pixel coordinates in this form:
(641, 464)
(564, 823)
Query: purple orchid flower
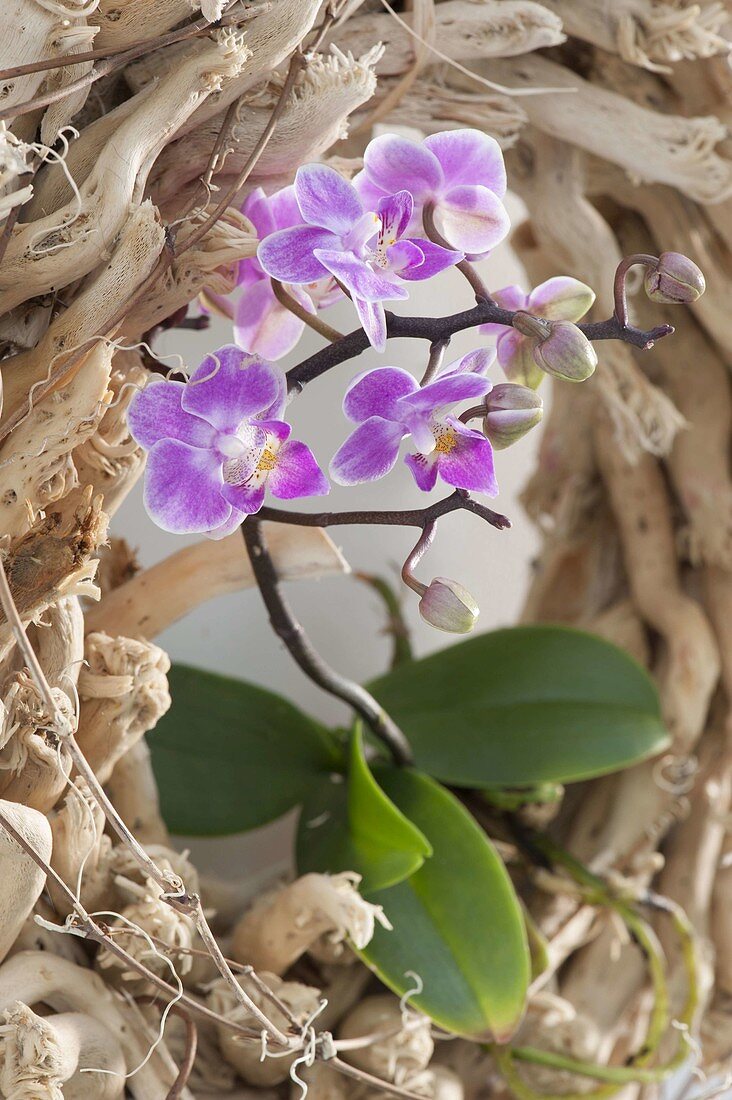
(558, 299)
(366, 251)
(460, 173)
(387, 404)
(262, 325)
(216, 441)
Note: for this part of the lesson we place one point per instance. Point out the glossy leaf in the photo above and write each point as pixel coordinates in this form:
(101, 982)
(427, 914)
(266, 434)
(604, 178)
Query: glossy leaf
(457, 922)
(523, 706)
(351, 825)
(229, 756)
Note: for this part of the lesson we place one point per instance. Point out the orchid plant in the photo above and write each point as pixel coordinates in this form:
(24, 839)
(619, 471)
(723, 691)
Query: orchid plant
(220, 441)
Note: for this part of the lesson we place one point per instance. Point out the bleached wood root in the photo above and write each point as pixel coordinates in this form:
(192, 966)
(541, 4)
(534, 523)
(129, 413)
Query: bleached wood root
(43, 1057)
(59, 643)
(689, 668)
(22, 879)
(270, 39)
(140, 243)
(66, 245)
(647, 32)
(464, 31)
(246, 1056)
(123, 690)
(122, 22)
(134, 792)
(34, 765)
(159, 596)
(283, 923)
(29, 31)
(330, 89)
(53, 561)
(607, 124)
(37, 976)
(442, 99)
(212, 262)
(35, 461)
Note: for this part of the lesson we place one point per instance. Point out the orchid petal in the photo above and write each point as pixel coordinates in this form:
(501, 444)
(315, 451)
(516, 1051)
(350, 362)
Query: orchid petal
(376, 393)
(258, 208)
(155, 413)
(469, 465)
(394, 163)
(264, 327)
(247, 498)
(511, 297)
(561, 299)
(183, 488)
(478, 361)
(472, 219)
(435, 259)
(445, 390)
(395, 212)
(326, 199)
(228, 527)
(288, 255)
(469, 157)
(423, 469)
(373, 318)
(285, 210)
(297, 474)
(405, 259)
(230, 386)
(369, 453)
(358, 277)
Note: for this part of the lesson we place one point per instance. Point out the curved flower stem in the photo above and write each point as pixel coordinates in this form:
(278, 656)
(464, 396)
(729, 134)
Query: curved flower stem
(410, 517)
(415, 556)
(437, 354)
(436, 329)
(621, 276)
(286, 626)
(465, 267)
(310, 319)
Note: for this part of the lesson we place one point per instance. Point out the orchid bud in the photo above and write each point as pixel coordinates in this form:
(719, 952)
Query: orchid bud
(674, 280)
(448, 606)
(565, 353)
(512, 412)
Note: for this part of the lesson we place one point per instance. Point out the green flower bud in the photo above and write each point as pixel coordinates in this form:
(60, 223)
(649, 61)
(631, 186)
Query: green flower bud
(674, 280)
(448, 606)
(566, 353)
(512, 412)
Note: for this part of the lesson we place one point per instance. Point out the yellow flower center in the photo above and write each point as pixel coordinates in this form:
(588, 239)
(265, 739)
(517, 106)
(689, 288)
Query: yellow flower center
(445, 440)
(267, 462)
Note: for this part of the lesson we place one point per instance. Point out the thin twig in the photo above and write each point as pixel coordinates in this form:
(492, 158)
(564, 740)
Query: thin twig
(286, 626)
(189, 1055)
(145, 45)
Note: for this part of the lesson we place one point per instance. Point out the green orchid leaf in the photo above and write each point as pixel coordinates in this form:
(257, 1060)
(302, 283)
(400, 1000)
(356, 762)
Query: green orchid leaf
(229, 756)
(353, 826)
(457, 923)
(525, 706)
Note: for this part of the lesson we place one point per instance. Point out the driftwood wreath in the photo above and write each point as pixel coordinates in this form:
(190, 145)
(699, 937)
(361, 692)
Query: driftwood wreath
(514, 869)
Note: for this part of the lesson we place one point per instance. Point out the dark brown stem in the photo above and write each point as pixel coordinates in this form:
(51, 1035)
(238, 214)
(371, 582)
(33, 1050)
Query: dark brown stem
(310, 319)
(189, 1056)
(409, 517)
(436, 329)
(437, 354)
(621, 275)
(287, 627)
(415, 556)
